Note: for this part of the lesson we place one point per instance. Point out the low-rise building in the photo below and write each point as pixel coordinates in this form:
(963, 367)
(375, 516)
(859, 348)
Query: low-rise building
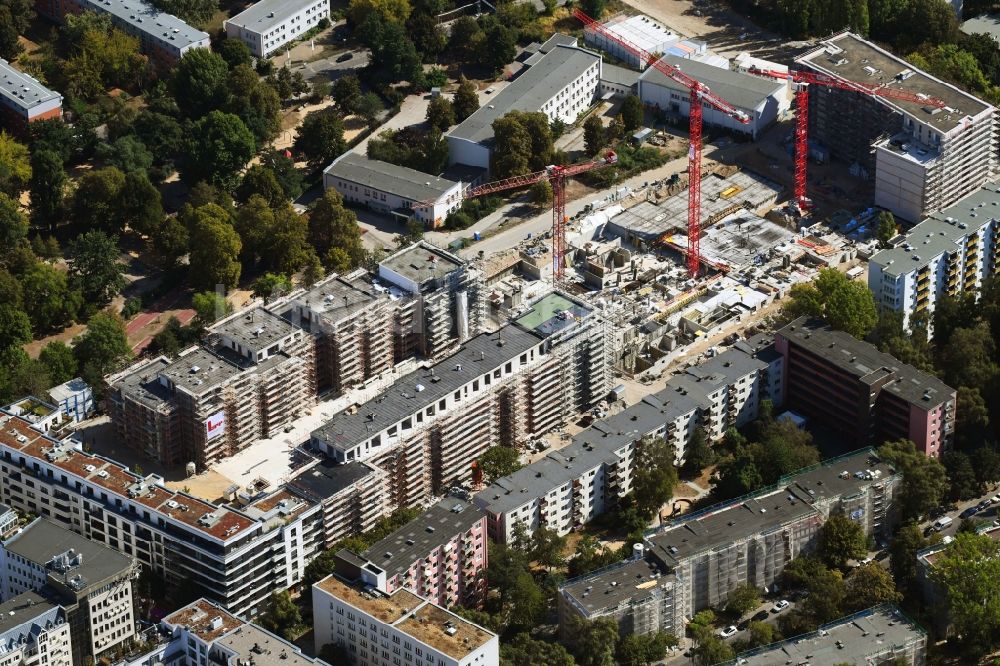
(24, 100)
(162, 36)
(617, 81)
(93, 583)
(34, 632)
(379, 629)
(393, 190)
(638, 31)
(75, 398)
(268, 25)
(761, 99)
(866, 395)
(440, 555)
(879, 635)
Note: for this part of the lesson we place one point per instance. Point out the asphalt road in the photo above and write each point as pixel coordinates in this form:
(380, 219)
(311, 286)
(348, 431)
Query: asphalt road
(989, 514)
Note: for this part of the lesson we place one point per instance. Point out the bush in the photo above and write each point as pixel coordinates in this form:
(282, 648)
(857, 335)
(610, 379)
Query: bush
(132, 307)
(437, 78)
(323, 23)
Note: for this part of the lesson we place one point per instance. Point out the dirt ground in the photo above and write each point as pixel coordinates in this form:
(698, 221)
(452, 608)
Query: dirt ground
(208, 485)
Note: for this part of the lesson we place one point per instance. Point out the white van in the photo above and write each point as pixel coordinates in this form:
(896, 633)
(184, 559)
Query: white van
(943, 522)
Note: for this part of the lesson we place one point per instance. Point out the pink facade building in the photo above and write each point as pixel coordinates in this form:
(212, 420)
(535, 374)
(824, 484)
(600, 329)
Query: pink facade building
(440, 555)
(866, 396)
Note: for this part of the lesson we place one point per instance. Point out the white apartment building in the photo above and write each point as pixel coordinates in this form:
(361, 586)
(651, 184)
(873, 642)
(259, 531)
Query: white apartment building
(570, 487)
(396, 629)
(562, 83)
(270, 24)
(393, 190)
(950, 253)
(34, 632)
(638, 30)
(925, 158)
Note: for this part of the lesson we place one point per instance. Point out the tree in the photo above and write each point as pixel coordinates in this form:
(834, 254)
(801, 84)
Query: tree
(287, 84)
(523, 650)
(886, 227)
(427, 36)
(370, 107)
(282, 616)
(215, 247)
(527, 603)
(644, 649)
(261, 181)
(594, 641)
(15, 166)
(161, 133)
(48, 182)
(655, 475)
(20, 375)
(931, 21)
(255, 102)
(593, 135)
(698, 454)
(10, 46)
(96, 269)
(711, 650)
(192, 11)
(358, 11)
(283, 169)
(220, 146)
(13, 224)
(347, 93)
(392, 51)
(969, 573)
(100, 56)
(331, 226)
(498, 461)
(59, 361)
(210, 306)
(15, 327)
(103, 348)
(440, 114)
(590, 556)
(271, 285)
(234, 52)
(47, 298)
(744, 598)
(511, 147)
(126, 153)
(140, 203)
(841, 539)
(924, 483)
(967, 359)
(843, 303)
(290, 249)
(547, 547)
(466, 100)
(633, 113)
(498, 46)
(321, 137)
(961, 475)
(170, 242)
(870, 585)
(541, 193)
(96, 200)
(594, 8)
(199, 82)
(254, 223)
(761, 633)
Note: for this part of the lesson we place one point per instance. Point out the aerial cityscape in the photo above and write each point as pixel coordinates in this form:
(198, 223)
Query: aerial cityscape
(519, 333)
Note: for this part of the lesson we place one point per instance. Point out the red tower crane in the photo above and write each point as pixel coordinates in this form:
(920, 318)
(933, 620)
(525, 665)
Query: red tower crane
(556, 176)
(802, 80)
(699, 95)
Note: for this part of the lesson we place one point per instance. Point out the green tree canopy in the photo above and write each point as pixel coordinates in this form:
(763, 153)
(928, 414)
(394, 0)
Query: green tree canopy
(841, 539)
(103, 348)
(655, 475)
(925, 483)
(49, 302)
(632, 113)
(321, 137)
(15, 327)
(969, 573)
(219, 148)
(744, 598)
(48, 185)
(440, 114)
(523, 650)
(282, 616)
(466, 100)
(210, 306)
(96, 270)
(59, 361)
(13, 224)
(215, 247)
(333, 227)
(15, 166)
(843, 303)
(498, 461)
(594, 641)
(593, 134)
(199, 82)
(97, 199)
(870, 585)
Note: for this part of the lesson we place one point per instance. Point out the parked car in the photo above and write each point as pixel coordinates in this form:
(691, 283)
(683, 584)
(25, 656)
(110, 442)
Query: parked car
(970, 512)
(344, 57)
(945, 521)
(780, 605)
(728, 631)
(985, 504)
(759, 617)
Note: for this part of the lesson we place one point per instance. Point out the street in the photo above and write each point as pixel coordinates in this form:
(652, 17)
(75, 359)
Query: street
(989, 514)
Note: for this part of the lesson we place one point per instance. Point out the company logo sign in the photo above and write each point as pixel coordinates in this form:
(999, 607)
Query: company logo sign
(215, 425)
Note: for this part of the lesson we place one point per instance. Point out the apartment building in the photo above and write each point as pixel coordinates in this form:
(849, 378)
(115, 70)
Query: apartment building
(34, 632)
(561, 82)
(752, 539)
(91, 582)
(923, 158)
(951, 253)
(379, 629)
(253, 377)
(235, 558)
(204, 633)
(570, 487)
(163, 37)
(268, 25)
(394, 190)
(879, 635)
(864, 395)
(24, 100)
(763, 100)
(8, 522)
(498, 388)
(638, 30)
(638, 594)
(440, 555)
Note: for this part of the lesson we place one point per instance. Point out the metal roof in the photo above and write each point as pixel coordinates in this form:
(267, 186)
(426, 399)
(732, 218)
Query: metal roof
(23, 90)
(401, 181)
(629, 582)
(619, 75)
(741, 90)
(267, 14)
(23, 616)
(144, 17)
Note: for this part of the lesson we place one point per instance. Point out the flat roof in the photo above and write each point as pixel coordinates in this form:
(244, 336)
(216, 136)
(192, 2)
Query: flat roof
(23, 90)
(864, 361)
(266, 14)
(444, 631)
(265, 649)
(425, 386)
(339, 296)
(42, 540)
(619, 75)
(530, 91)
(68, 389)
(553, 313)
(146, 18)
(402, 181)
(387, 609)
(850, 640)
(944, 231)
(199, 371)
(326, 478)
(205, 620)
(422, 263)
(436, 526)
(849, 57)
(987, 24)
(256, 329)
(641, 30)
(745, 91)
(628, 582)
(18, 614)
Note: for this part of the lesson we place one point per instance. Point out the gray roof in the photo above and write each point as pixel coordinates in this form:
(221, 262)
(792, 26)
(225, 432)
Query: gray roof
(326, 478)
(619, 75)
(558, 39)
(340, 297)
(528, 92)
(22, 616)
(987, 24)
(423, 263)
(23, 90)
(869, 365)
(266, 14)
(425, 386)
(741, 90)
(256, 330)
(68, 389)
(944, 231)
(4, 509)
(828, 479)
(143, 386)
(424, 534)
(553, 313)
(399, 180)
(251, 642)
(42, 540)
(851, 58)
(761, 346)
(199, 372)
(615, 585)
(857, 639)
(144, 17)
